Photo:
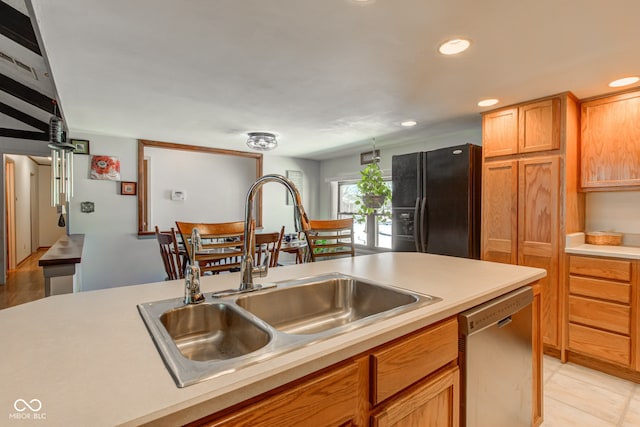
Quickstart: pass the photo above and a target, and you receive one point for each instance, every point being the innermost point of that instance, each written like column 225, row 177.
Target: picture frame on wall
column 82, row 146
column 128, row 188
column 296, row 178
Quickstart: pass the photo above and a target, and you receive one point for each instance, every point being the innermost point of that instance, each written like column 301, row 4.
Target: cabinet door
column 611, row 142
column 539, row 126
column 500, row 132
column 435, row 402
column 500, row 211
column 538, row 232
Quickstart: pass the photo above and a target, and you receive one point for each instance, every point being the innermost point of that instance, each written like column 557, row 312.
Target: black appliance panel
column 448, row 206
column 406, row 179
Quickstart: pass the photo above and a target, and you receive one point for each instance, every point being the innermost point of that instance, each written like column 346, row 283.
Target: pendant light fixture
column 61, row 161
column 262, row 141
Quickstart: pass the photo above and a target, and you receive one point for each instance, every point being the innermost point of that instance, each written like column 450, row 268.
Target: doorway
column 10, row 203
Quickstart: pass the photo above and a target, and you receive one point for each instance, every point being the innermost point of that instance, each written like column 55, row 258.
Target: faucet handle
column 263, row 269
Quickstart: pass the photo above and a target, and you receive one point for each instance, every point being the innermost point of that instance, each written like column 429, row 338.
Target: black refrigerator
column 436, row 201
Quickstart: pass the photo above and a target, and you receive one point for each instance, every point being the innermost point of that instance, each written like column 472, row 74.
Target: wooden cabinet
column 521, row 224
column 611, row 142
column 538, row 233
column 500, row 212
column 411, row 381
column 530, row 197
column 500, row 132
column 530, row 127
column 395, row 367
column 434, row 402
column 600, row 311
column 329, row 399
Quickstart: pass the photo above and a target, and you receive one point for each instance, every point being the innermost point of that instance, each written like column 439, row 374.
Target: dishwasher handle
column 496, row 311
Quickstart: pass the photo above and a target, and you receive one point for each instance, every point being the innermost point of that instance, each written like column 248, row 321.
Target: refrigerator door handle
column 424, row 226
column 416, row 225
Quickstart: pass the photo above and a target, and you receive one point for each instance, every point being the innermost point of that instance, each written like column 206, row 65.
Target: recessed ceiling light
column 487, row 102
column 624, row 81
column 454, row 46
column 362, row 2
column 409, row 123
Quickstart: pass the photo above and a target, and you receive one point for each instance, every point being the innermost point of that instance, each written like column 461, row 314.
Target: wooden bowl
column 603, row 238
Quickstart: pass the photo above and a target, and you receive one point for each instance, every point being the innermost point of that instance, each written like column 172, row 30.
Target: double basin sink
column 221, row 335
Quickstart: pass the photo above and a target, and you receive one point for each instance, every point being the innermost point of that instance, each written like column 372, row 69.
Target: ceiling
column 326, row 75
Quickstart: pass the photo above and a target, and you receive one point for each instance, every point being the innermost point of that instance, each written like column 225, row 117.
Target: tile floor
column 578, row 396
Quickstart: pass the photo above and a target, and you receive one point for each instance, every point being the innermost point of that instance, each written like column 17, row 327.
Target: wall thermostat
column 178, row 195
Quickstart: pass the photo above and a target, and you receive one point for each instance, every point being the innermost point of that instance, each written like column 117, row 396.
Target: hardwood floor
column 25, row 283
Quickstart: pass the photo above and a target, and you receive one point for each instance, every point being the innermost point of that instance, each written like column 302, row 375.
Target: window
column 371, row 232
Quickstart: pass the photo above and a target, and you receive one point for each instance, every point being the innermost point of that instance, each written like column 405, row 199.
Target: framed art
column 82, row 146
column 369, row 157
column 296, row 178
column 105, row 167
column 128, row 188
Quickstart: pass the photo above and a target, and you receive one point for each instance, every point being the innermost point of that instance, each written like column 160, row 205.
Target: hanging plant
column 374, row 192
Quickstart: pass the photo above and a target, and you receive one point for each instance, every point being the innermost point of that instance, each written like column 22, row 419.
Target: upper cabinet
column 611, row 143
column 500, row 132
column 528, row 128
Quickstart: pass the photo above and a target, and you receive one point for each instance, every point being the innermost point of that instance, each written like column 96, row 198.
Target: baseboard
column 606, row 367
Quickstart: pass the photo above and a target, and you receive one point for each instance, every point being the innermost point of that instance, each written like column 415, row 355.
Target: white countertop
column 576, row 245
column 89, row 359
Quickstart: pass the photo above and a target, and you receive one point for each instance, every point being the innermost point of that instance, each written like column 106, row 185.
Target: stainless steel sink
column 322, row 304
column 213, row 332
column 221, row 335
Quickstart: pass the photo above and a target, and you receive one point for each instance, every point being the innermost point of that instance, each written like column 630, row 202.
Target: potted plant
column 374, row 192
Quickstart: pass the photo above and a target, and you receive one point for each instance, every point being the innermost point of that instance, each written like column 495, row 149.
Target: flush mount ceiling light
column 262, row 141
column 408, row 123
column 487, row 102
column 454, row 46
column 626, row 81
column 362, row 2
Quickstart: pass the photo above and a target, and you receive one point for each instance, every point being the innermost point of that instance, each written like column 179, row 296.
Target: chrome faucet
column 247, row 270
column 192, row 294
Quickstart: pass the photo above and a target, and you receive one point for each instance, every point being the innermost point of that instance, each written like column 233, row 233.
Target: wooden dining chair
column 330, row 238
column 221, row 244
column 170, row 253
column 268, row 243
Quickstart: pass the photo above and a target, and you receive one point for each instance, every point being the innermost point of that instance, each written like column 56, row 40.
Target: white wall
column 48, row 230
column 113, row 253
column 613, row 211
column 276, row 212
column 348, row 167
column 214, row 184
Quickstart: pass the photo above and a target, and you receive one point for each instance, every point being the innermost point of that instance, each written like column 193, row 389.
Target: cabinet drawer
column 330, row 399
column 600, row 267
column 600, row 314
column 397, row 366
column 600, row 344
column 598, row 288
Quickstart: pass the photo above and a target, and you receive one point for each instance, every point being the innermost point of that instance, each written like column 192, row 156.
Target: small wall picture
column 105, row 168
column 128, row 188
column 82, row 146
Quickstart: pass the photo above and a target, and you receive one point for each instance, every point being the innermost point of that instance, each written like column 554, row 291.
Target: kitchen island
column 88, row 359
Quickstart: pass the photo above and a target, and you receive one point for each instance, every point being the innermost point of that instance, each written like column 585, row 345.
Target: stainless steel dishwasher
column 496, row 361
